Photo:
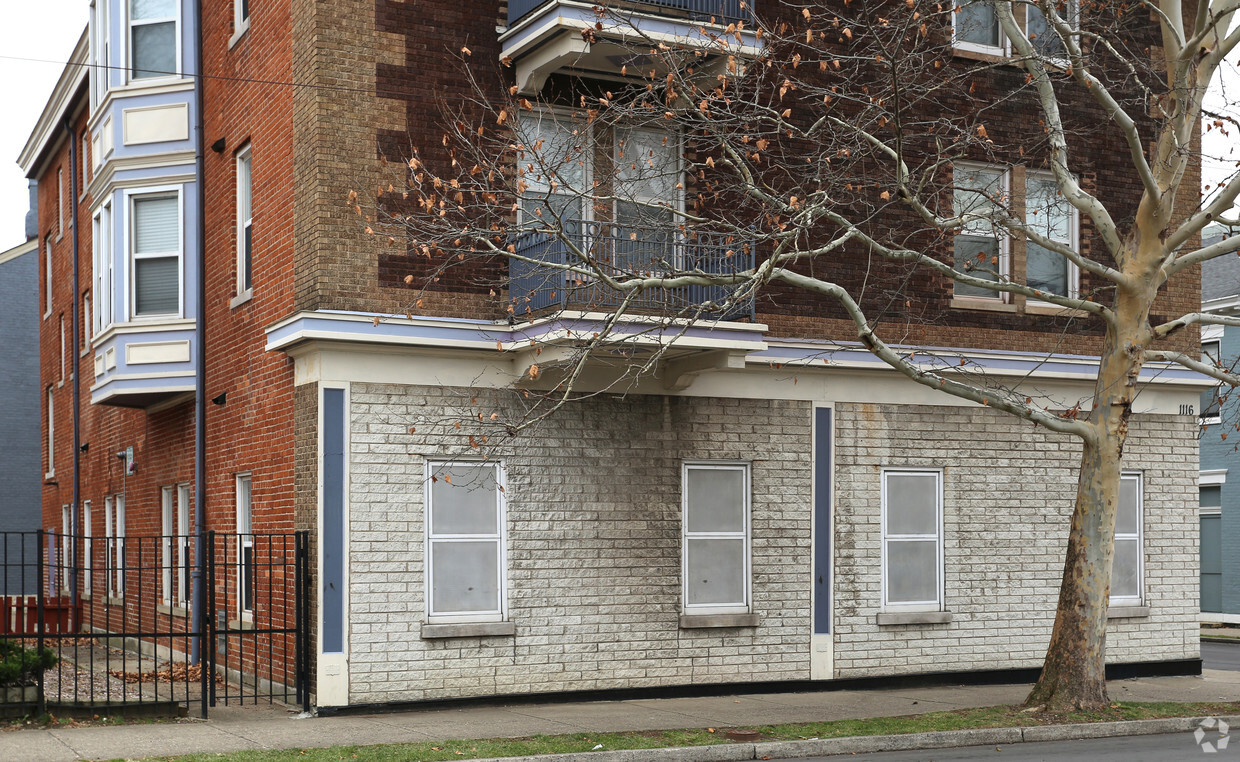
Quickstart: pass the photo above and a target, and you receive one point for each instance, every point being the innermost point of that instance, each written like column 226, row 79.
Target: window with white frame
column 114, row 545
column 241, row 16
column 84, row 160
column 102, row 268
column 153, row 42
column 51, row 434
column 245, row 220
column 1049, row 214
column 1212, row 354
column 88, row 548
column 174, row 502
column 64, row 348
column 976, row 28
column 100, row 51
column 47, row 276
column 558, row 180
column 979, row 248
column 155, row 254
column 66, row 547
column 912, row 527
column 60, row 203
column 245, row 544
column 465, row 554
column 86, row 324
column 716, row 538
column 1128, row 567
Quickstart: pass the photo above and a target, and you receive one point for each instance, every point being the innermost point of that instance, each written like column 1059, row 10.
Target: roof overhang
column 63, row 103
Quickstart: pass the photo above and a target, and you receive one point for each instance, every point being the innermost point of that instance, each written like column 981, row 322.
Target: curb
column 825, row 747
column 1219, row 639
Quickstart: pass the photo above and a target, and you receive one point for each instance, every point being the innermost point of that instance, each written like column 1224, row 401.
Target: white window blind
column 156, row 254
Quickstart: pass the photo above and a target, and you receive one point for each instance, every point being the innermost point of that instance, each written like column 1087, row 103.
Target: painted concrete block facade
column 594, row 556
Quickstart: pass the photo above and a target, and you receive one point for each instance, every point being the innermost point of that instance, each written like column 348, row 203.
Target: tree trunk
column 1074, row 673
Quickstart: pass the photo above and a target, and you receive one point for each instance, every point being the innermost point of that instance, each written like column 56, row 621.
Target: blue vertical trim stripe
column 333, row 520
column 822, row 520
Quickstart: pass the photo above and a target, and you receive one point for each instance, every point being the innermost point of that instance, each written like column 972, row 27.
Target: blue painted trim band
column 333, row 520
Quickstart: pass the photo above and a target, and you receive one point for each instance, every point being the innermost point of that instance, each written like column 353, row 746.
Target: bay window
column 102, row 256
column 153, row 42
column 155, row 253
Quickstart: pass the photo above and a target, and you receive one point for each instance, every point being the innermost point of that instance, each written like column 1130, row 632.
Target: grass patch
column 960, row 719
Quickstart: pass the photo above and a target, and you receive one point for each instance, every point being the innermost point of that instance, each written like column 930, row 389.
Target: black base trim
column 1124, row 671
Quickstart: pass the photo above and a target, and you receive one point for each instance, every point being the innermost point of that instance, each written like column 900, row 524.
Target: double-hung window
column 980, row 249
column 976, row 28
column 245, row 221
column 912, row 527
column 114, row 539
column 1211, row 354
column 647, row 164
column 47, row 276
column 716, row 538
column 51, row 434
column 245, row 545
column 1128, row 567
column 100, row 51
column 88, row 548
column 1050, row 215
column 175, row 528
column 465, row 555
column 66, row 546
column 153, row 42
column 554, row 169
column 102, row 250
column 155, row 249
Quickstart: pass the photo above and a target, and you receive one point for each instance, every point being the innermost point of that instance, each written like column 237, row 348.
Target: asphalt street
column 1174, row 747
column 1221, row 656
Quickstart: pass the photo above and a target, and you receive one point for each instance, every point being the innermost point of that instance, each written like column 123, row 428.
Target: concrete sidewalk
column 265, row 727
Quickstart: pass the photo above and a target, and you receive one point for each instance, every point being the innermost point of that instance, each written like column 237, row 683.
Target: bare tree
column 851, row 150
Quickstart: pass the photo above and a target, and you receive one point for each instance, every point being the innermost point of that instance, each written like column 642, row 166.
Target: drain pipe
column 76, row 367
column 200, row 354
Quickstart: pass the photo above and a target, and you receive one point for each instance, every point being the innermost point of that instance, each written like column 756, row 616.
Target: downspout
column 76, row 359
column 200, row 354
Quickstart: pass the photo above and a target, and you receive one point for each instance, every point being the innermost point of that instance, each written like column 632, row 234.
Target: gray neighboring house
column 20, row 404
column 1220, row 495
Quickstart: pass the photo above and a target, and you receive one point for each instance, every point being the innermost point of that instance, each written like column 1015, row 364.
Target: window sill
column 1128, row 612
column 997, row 55
column 241, row 624
column 913, row 617
column 1046, row 308
column 705, row 621
column 177, row 611
column 242, row 28
column 114, row 600
column 473, row 630
column 977, row 303
column 240, row 299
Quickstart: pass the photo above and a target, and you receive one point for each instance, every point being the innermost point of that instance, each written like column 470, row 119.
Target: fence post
column 208, row 616
column 302, row 574
column 39, row 593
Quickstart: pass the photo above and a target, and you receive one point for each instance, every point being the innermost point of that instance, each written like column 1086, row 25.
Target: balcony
column 546, row 36
column 628, row 249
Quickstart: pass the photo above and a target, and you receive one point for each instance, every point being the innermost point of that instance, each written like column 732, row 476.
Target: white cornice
column 47, row 129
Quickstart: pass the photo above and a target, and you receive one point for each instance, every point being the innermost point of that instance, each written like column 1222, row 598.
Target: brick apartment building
column 566, row 564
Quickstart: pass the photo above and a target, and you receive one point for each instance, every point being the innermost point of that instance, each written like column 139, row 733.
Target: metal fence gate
column 117, row 612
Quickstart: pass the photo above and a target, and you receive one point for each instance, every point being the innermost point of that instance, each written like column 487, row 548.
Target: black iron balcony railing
column 628, row 250
column 722, row 11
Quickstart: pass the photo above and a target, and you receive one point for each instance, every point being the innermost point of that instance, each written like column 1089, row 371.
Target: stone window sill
column 1046, row 308
column 240, row 299
column 704, row 621
column 978, row 303
column 1128, row 612
column 913, row 617
column 179, row 611
column 468, row 630
column 242, row 28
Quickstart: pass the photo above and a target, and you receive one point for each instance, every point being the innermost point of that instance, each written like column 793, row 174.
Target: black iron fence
column 718, row 11
column 538, row 279
column 117, row 613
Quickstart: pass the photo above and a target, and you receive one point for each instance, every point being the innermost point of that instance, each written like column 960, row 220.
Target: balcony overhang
column 573, row 37
column 143, row 365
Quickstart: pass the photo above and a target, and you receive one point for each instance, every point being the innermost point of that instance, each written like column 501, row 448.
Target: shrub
column 21, row 666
